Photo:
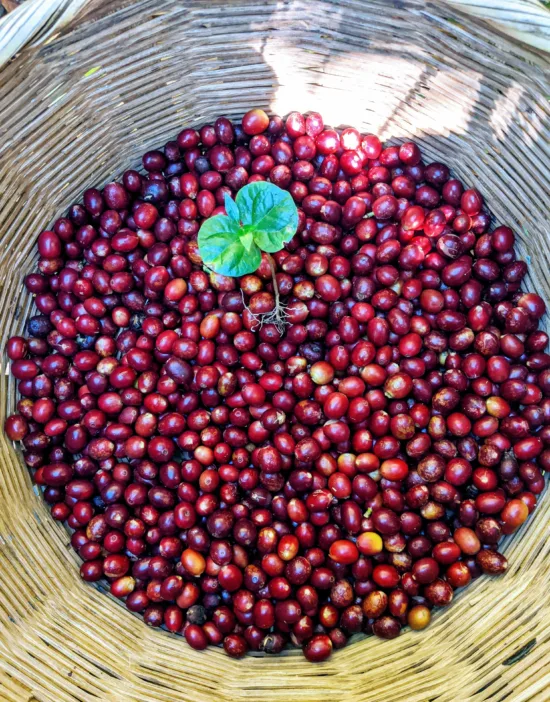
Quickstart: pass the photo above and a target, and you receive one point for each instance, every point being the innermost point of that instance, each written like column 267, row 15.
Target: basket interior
column 126, row 78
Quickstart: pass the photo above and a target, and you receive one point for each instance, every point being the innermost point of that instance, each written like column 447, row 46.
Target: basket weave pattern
column 125, row 78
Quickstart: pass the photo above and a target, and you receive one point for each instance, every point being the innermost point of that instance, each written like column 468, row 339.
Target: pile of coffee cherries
column 254, row 488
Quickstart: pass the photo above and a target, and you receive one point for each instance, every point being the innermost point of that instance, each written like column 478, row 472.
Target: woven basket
column 80, row 105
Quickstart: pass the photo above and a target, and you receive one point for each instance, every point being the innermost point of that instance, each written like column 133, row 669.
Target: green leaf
column 262, row 218
column 223, row 250
column 269, row 213
column 247, row 240
column 231, row 208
